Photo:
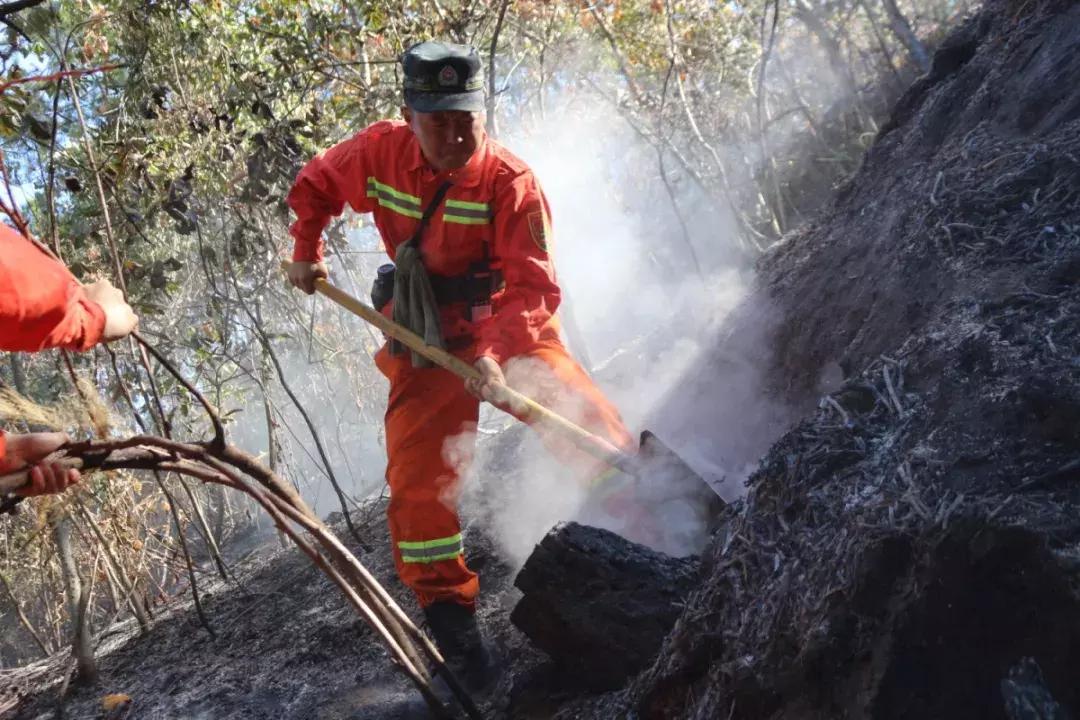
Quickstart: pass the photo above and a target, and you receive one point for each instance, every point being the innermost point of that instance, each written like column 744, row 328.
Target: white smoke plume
column 649, row 335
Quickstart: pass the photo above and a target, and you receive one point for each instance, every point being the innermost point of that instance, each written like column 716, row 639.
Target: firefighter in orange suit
column 485, row 246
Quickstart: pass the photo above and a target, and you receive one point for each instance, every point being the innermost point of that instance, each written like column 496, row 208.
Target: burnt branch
column 227, row 465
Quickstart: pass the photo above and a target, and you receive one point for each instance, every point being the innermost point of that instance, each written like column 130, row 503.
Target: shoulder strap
column 429, row 211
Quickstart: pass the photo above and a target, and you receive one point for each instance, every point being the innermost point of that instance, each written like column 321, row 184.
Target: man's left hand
column 120, row 319
column 491, row 382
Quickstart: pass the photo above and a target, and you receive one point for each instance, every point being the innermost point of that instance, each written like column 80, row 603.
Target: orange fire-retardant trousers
column 429, row 406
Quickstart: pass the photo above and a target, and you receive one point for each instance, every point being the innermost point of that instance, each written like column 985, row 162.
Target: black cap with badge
column 443, row 76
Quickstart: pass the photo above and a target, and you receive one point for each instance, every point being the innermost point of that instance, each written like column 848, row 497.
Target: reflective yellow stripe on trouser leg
column 429, row 551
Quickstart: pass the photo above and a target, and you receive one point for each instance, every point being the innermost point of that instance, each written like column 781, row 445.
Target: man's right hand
column 120, row 319
column 26, row 452
column 304, row 274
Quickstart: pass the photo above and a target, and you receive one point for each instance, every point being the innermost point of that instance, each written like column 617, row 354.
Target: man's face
column 448, row 138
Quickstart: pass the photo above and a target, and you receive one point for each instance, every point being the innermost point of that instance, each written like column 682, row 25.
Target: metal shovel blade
column 661, row 466
column 661, row 502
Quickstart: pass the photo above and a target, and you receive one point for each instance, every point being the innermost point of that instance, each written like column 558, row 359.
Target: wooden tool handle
column 522, row 407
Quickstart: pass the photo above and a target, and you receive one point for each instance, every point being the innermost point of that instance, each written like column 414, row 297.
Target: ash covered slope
column 905, row 548
column 288, row 646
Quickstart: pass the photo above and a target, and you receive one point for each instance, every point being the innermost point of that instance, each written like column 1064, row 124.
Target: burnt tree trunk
column 598, row 604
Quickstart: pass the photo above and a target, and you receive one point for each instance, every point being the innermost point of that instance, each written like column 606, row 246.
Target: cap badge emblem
column 448, row 76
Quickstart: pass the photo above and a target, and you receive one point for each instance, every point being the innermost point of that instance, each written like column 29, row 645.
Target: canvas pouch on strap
column 415, row 305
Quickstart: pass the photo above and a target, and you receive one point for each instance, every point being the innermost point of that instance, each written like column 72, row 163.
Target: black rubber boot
column 458, row 637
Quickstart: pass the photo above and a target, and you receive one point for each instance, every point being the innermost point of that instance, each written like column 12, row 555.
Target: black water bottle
column 382, row 290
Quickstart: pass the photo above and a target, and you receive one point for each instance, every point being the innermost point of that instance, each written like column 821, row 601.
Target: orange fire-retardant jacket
column 42, row 305
column 495, row 200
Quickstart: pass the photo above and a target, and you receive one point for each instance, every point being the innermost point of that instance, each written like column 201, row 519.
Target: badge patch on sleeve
column 539, row 228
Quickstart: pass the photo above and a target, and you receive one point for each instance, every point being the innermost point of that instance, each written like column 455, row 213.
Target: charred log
column 598, row 604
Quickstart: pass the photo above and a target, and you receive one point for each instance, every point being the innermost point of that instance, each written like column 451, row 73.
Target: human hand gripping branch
column 28, row 451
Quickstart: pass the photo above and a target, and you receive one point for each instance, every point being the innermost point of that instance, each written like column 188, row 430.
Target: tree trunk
column 273, row 444
column 902, row 29
column 809, row 17
column 492, row 123
column 77, row 598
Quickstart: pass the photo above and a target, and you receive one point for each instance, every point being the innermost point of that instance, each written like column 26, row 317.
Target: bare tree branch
column 13, row 7
column 620, row 57
column 59, row 76
column 492, row 125
column 219, row 430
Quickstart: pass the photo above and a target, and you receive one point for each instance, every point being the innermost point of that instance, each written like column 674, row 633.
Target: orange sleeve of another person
column 532, row 295
column 42, row 305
